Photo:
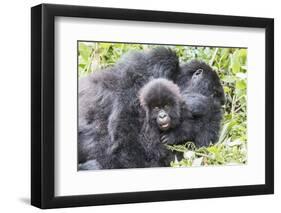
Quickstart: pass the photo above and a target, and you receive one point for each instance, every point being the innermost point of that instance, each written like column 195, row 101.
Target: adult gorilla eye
column 198, row 72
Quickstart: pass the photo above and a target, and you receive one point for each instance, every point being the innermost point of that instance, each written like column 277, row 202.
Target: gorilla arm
column 197, row 105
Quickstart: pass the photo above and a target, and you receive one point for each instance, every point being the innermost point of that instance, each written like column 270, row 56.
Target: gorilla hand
column 167, row 138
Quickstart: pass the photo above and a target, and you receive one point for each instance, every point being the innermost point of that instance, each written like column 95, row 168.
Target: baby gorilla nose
column 162, row 114
column 163, row 120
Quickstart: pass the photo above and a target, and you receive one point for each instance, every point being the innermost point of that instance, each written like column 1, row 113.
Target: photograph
column 160, row 105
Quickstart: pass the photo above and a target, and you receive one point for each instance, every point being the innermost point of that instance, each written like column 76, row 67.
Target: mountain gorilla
column 115, row 128
column 109, row 119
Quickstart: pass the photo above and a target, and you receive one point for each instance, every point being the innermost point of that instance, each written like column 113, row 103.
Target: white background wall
column 15, row 105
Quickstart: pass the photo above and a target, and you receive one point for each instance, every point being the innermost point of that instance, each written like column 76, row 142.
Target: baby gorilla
column 161, row 101
column 194, row 115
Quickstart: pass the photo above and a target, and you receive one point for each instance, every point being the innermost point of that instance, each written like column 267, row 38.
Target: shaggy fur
column 115, row 131
column 109, row 119
column 157, row 96
column 207, row 83
column 203, row 97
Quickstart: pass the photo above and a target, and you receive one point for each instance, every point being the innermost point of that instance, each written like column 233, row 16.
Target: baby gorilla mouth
column 163, row 120
column 164, row 126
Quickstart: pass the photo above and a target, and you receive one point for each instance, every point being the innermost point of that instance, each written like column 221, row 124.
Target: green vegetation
column 231, row 66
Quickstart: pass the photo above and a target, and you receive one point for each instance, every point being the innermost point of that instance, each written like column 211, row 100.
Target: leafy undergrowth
column 227, row 153
column 231, row 149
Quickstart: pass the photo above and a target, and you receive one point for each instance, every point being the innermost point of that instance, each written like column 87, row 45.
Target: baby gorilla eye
column 166, row 107
column 156, row 108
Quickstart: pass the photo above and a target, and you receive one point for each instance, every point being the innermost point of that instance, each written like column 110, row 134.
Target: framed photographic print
column 139, row 106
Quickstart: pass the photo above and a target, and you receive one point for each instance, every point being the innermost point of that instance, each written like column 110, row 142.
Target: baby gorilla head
column 161, row 101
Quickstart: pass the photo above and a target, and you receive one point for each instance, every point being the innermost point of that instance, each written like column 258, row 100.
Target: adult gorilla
column 109, row 108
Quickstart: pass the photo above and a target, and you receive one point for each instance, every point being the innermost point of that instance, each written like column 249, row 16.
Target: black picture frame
column 43, row 117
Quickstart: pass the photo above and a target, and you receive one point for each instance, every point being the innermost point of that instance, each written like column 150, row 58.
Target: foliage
column 231, row 66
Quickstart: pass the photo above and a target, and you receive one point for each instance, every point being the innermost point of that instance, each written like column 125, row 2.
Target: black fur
column 159, row 95
column 160, row 98
column 109, row 119
column 116, row 132
column 208, row 84
column 203, row 97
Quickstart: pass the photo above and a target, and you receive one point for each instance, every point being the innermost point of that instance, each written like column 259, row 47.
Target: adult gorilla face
column 198, row 77
column 161, row 100
column 207, row 82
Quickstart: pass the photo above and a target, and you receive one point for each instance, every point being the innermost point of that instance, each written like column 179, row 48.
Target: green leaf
column 85, row 51
column 241, row 85
column 229, row 79
column 226, row 89
column 243, row 56
column 241, row 75
column 235, row 62
column 234, row 143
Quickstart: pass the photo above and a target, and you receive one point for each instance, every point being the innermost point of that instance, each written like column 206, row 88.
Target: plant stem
column 213, row 57
column 202, row 155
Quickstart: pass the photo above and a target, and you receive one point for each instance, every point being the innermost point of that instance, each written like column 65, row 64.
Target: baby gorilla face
column 163, row 120
column 162, row 117
column 161, row 100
